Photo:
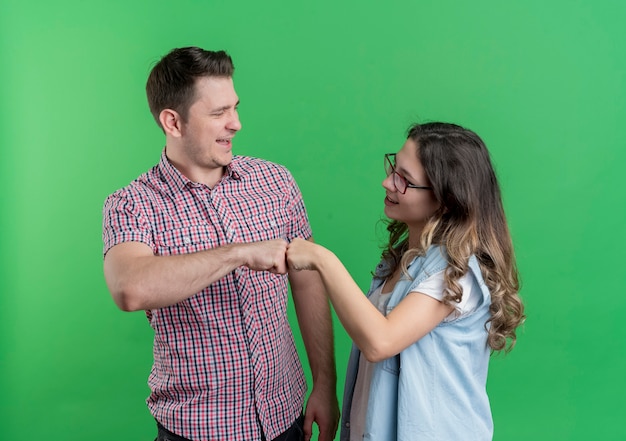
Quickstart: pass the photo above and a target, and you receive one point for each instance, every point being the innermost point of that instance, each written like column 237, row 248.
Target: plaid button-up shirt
column 225, row 363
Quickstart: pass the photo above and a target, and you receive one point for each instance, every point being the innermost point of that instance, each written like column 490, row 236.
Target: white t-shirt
column 432, row 287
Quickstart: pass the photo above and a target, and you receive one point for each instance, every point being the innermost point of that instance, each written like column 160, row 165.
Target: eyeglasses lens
column 398, row 181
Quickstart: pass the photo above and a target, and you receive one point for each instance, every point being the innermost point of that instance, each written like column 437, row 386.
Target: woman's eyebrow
column 404, row 172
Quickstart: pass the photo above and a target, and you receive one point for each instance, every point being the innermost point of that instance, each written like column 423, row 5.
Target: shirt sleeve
column 299, row 221
column 122, row 221
column 433, row 287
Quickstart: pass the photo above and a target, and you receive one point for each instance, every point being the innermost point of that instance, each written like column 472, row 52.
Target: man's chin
column 226, row 158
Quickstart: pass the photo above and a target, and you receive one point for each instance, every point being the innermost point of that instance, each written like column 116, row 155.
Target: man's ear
column 171, row 122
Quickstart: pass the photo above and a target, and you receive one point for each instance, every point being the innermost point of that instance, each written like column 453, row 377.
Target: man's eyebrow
column 221, row 109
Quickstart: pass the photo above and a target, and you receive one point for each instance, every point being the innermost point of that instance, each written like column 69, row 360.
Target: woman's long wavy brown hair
column 470, row 221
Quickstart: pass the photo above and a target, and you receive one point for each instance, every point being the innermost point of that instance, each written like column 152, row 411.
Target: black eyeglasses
column 399, row 181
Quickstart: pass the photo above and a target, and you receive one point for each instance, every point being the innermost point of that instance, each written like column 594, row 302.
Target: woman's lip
column 389, row 201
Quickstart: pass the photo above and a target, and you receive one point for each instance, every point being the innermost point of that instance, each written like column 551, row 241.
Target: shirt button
column 186, row 240
column 348, row 425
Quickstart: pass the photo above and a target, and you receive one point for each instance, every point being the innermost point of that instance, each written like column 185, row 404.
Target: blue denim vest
column 436, row 388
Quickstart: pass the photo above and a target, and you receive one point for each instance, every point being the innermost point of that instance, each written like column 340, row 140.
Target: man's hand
column 322, row 408
column 268, row 255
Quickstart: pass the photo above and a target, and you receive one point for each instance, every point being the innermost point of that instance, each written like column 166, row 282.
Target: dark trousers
column 294, row 433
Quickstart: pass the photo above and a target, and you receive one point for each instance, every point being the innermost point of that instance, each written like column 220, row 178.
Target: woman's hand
column 303, row 255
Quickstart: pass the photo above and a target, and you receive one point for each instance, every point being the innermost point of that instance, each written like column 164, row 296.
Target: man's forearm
column 314, row 317
column 144, row 281
column 139, row 280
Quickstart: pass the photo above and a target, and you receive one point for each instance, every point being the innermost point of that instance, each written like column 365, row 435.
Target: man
column 199, row 242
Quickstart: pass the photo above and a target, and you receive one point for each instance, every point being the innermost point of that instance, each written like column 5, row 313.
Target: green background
column 326, row 88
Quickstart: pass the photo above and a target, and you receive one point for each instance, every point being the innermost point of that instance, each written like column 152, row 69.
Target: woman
column 444, row 296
